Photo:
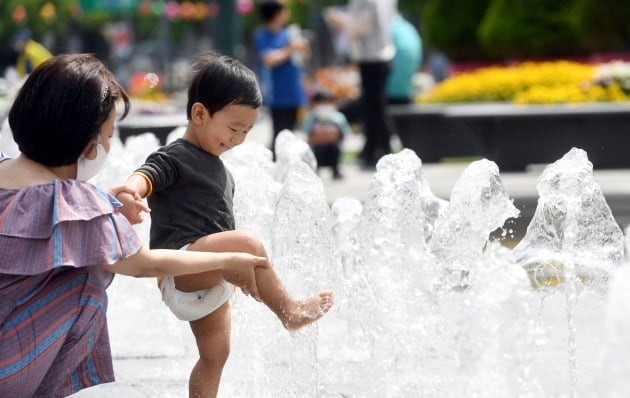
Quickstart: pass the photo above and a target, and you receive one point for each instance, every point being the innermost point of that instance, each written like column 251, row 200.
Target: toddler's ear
column 198, row 112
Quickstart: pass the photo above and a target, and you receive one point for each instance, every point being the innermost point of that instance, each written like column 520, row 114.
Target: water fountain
column 427, row 304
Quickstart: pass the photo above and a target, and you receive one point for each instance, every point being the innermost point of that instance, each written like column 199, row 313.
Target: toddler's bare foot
column 304, row 312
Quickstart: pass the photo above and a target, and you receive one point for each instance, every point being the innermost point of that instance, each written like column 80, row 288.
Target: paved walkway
column 153, row 352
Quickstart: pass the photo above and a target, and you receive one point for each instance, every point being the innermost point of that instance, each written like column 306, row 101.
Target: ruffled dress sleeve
column 66, row 223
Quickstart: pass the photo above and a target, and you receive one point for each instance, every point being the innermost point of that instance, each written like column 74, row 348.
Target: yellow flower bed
column 571, row 93
column 526, row 83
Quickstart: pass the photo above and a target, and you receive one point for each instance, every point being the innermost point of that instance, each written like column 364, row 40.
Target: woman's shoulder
column 62, row 223
column 33, row 211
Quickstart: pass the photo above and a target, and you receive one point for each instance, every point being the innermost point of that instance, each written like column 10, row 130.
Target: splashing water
column 478, row 205
column 427, row 305
column 573, row 226
column 572, row 236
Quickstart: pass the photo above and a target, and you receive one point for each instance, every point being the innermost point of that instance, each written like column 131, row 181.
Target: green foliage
column 452, row 27
column 146, row 25
column 530, row 28
column 604, row 25
column 33, row 20
column 481, row 29
column 94, row 19
column 412, row 10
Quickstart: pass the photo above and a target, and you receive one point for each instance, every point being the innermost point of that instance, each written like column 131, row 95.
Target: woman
column 62, row 239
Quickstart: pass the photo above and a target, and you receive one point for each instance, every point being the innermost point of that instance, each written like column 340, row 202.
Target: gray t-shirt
column 192, row 195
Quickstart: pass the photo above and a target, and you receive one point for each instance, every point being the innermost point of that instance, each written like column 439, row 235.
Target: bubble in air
column 151, row 80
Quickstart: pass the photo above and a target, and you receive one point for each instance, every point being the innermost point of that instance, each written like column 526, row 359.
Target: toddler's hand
column 133, row 206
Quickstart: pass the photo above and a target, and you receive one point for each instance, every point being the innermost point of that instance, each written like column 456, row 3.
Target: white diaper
column 190, row 306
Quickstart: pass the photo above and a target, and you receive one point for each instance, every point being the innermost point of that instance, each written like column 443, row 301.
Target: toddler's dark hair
column 219, row 81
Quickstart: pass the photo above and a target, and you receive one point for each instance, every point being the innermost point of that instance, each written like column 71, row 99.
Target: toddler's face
column 227, row 128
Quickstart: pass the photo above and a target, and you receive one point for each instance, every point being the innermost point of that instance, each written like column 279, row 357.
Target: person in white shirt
column 368, row 26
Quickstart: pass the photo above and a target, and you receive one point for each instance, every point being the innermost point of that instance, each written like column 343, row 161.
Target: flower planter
column 514, row 136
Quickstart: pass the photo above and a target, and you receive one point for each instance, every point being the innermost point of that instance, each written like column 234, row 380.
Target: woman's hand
column 240, row 271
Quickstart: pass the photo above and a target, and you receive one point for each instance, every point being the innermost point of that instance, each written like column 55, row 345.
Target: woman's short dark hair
column 268, row 9
column 62, row 106
column 219, row 81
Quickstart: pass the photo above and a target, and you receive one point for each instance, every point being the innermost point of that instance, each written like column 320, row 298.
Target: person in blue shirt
column 406, row 62
column 281, row 75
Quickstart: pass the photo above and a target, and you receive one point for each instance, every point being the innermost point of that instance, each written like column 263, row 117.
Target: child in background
column 190, row 194
column 326, row 128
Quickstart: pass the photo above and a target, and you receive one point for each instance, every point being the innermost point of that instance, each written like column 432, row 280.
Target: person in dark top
column 190, row 195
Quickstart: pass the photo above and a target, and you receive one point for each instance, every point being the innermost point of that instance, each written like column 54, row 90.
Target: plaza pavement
column 154, row 352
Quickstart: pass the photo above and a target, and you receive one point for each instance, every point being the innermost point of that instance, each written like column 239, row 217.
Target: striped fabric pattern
column 64, row 223
column 53, row 328
column 55, row 342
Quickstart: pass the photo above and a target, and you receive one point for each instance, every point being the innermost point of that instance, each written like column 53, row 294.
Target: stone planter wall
column 514, row 136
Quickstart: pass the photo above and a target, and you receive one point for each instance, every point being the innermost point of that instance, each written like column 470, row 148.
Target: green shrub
column 604, row 25
column 452, row 27
column 531, row 28
column 412, row 10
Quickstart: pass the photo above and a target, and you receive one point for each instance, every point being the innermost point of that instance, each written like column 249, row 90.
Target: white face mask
column 87, row 168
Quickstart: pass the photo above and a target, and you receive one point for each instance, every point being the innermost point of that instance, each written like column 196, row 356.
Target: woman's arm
column 237, row 268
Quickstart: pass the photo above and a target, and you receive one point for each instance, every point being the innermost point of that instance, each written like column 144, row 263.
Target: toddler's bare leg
column 212, row 333
column 292, row 313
